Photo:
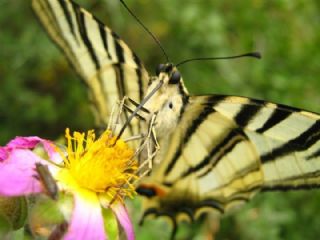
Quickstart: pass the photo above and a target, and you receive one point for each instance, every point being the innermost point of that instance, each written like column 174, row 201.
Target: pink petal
column 124, row 219
column 17, row 174
column 24, row 142
column 87, row 220
column 3, row 153
column 30, row 143
column 52, row 152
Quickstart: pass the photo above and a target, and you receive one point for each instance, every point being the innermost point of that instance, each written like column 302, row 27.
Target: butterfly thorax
column 169, row 100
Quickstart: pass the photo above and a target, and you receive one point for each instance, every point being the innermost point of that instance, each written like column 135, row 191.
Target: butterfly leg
column 135, row 104
column 113, row 123
column 136, row 114
column 133, row 138
column 152, row 146
column 110, row 122
column 144, row 144
column 148, row 148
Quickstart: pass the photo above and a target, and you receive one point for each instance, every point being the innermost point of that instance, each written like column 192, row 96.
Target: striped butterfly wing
column 105, row 63
column 226, row 149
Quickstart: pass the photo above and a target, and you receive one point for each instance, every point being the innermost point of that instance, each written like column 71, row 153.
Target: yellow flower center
column 103, row 165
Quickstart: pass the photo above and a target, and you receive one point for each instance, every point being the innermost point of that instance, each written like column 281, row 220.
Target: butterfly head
column 169, row 73
column 169, row 100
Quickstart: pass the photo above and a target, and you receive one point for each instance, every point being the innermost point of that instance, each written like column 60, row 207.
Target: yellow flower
column 103, row 166
column 96, row 172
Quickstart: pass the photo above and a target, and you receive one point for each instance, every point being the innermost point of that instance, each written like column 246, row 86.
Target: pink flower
column 97, row 173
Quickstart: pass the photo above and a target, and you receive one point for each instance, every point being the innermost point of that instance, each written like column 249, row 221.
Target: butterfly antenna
column 146, row 29
column 251, row 54
column 139, row 107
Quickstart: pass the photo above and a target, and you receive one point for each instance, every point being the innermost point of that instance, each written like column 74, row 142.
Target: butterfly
column 217, row 151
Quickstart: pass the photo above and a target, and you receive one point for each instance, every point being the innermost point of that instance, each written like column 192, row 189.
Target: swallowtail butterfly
column 217, row 151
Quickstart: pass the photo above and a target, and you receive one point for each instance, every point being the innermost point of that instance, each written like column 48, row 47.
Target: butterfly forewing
column 105, row 63
column 286, row 139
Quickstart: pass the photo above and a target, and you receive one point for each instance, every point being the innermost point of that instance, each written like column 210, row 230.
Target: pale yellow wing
column 105, row 63
column 226, row 149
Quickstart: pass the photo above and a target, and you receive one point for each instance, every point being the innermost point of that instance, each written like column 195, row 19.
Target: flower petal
column 3, row 153
column 17, row 174
column 24, row 142
column 124, row 219
column 87, row 220
column 29, row 143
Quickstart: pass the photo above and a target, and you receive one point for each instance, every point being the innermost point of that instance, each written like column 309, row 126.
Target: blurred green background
column 41, row 95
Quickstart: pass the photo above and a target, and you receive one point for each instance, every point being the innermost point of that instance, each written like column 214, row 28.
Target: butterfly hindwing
column 105, row 63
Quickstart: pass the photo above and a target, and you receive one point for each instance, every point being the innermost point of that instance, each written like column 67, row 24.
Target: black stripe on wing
column 121, row 87
column 315, row 154
column 240, row 175
column 119, row 49
column 228, row 143
column 300, row 143
column 246, row 114
column 208, row 108
column 220, row 98
column 185, row 100
column 68, row 16
column 104, row 37
column 276, row 117
column 80, row 17
column 189, row 132
column 139, row 75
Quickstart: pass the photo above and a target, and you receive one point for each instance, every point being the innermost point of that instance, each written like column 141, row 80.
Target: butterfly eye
column 160, row 68
column 175, row 78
